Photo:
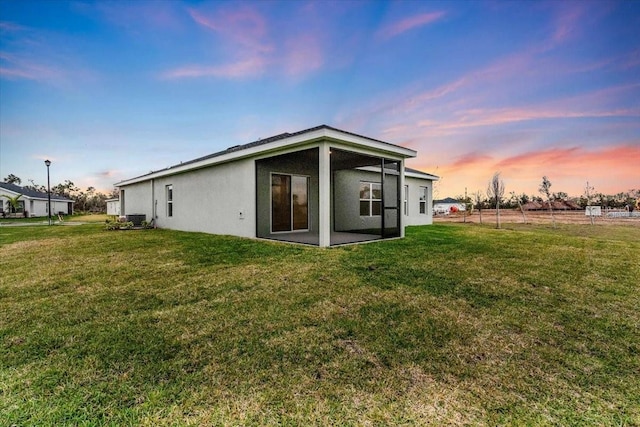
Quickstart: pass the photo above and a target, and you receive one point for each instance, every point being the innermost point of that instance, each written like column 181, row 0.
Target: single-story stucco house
column 320, row 186
column 32, row 203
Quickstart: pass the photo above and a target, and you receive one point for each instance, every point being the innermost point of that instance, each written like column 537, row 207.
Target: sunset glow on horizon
column 112, row 90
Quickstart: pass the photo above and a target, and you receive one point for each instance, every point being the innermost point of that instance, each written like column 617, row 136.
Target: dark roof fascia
column 25, row 192
column 254, row 144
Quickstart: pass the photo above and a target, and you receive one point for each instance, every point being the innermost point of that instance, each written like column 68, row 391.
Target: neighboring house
column 443, row 206
column 113, row 207
column 321, row 186
column 32, row 203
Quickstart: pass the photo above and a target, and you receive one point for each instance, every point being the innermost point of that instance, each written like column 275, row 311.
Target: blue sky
column 112, row 90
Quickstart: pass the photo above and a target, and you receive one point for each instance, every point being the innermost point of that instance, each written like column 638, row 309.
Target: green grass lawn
column 454, row 324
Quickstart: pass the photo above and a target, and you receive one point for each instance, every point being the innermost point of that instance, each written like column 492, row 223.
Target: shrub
column 111, row 225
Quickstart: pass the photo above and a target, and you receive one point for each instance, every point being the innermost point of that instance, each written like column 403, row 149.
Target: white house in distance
column 321, row 186
column 443, row 207
column 34, row 203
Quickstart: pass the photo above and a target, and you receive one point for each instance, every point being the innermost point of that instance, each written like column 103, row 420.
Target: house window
column 289, row 203
column 370, row 199
column 169, row 189
column 406, row 200
column 423, row 200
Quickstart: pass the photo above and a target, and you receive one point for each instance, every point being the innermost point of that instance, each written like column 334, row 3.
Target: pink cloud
column 570, row 20
column 244, row 34
column 244, row 68
column 410, row 23
column 567, row 22
column 470, row 160
column 495, row 117
column 250, row 48
column 245, row 27
column 303, row 55
column 622, row 158
column 609, row 169
column 542, row 158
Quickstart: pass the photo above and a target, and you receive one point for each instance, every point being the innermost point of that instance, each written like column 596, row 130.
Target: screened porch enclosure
column 364, row 197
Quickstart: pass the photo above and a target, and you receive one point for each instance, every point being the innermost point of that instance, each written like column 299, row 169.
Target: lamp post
column 48, row 163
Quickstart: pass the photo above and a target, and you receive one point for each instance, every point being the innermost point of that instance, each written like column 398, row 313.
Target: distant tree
column 561, row 195
column 517, row 200
column 588, row 194
column 495, row 192
column 545, row 188
column 67, row 189
column 12, row 179
column 468, row 206
column 634, row 195
column 477, row 198
column 35, row 187
column 114, row 194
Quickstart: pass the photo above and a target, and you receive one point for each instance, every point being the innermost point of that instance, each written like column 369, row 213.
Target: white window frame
column 406, row 200
column 422, row 204
column 370, row 199
column 169, row 196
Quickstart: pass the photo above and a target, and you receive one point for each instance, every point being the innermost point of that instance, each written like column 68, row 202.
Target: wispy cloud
column 608, row 167
column 243, row 26
column 503, row 116
column 470, row 160
column 243, row 68
column 109, row 173
column 302, row 55
column 567, row 21
column 252, row 49
column 6, row 26
column 16, row 67
column 575, row 161
column 136, row 16
column 396, row 28
column 31, row 54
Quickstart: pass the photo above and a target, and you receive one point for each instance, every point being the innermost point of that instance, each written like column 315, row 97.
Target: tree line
column 89, row 200
column 513, row 201
column 494, row 198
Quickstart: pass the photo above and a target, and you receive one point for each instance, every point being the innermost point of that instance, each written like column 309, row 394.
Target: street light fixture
column 48, row 163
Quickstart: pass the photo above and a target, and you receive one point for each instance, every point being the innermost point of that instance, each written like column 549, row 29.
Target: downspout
column 153, row 197
column 401, row 196
column 383, row 207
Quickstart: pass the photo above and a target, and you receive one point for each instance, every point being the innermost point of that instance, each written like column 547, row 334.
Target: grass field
column 455, row 324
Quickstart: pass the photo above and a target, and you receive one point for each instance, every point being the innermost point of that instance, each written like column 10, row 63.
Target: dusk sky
column 113, row 89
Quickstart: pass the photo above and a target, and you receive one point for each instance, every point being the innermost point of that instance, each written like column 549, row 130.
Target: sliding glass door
column 289, row 203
